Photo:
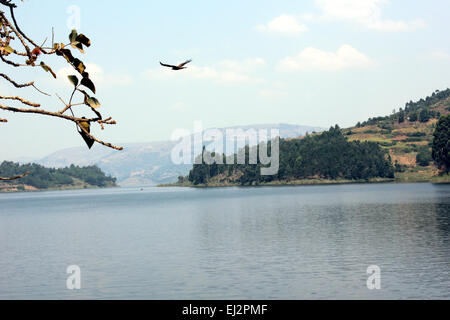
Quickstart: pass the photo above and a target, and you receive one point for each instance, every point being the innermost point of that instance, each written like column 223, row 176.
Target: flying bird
column 181, row 66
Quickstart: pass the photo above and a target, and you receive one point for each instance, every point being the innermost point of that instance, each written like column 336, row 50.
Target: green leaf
column 79, row 65
column 66, row 54
column 8, row 49
column 93, row 103
column 81, row 38
column 77, row 45
column 74, row 80
column 47, row 68
column 88, row 84
column 44, row 66
column 73, row 35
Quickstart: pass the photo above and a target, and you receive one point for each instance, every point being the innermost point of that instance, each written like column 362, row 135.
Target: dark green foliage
column 401, row 117
column 441, row 144
column 181, row 180
column 421, row 110
column 424, row 115
column 399, row 167
column 424, row 158
column 428, row 101
column 413, row 117
column 413, row 139
column 374, row 121
column 416, row 134
column 45, row 178
column 328, row 155
column 386, row 125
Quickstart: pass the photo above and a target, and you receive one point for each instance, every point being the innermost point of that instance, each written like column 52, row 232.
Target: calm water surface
column 312, row 242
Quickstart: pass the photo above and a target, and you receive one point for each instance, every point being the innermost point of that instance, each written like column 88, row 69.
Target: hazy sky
column 309, row 62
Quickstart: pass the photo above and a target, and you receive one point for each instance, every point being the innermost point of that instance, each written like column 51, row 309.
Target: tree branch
column 8, row 3
column 31, row 104
column 16, row 84
column 11, row 35
column 66, row 117
column 106, row 144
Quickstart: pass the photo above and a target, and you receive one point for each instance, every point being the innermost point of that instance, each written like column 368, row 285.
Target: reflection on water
column 311, row 242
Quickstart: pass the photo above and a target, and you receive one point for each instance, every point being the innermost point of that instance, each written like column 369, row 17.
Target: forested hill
column 42, row 178
column 394, row 146
column 328, row 155
column 422, row 111
column 407, row 134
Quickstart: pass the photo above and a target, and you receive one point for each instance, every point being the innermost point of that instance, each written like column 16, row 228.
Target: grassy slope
column 401, row 149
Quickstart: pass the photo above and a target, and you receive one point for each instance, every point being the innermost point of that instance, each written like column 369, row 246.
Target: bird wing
column 166, row 65
column 184, row 63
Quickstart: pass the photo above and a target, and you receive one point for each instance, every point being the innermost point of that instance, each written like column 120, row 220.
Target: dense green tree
column 328, row 155
column 44, row 178
column 401, row 117
column 413, row 110
column 424, row 157
column 413, row 117
column 441, row 144
column 424, row 115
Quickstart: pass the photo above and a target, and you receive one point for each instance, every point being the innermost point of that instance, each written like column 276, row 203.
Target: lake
column 308, row 242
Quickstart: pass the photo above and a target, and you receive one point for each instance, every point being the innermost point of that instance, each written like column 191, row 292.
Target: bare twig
column 99, row 141
column 40, row 91
column 17, row 30
column 16, row 84
column 31, row 104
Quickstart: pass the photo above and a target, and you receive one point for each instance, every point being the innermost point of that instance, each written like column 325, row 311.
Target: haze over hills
column 148, row 163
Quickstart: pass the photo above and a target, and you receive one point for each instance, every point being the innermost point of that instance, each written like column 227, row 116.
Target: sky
column 309, row 62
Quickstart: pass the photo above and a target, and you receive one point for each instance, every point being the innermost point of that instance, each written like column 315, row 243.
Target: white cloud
column 366, row 13
column 439, row 55
column 178, row 106
column 98, row 76
column 246, row 65
column 284, row 25
column 272, row 93
column 312, row 59
column 227, row 71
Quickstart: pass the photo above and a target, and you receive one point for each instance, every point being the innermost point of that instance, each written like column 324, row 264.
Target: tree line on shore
column 41, row 177
column 328, row 155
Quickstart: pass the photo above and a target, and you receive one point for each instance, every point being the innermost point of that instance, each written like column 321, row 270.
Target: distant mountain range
column 142, row 164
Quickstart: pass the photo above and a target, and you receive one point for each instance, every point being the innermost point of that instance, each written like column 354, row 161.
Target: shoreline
column 308, row 182
column 294, row 183
column 58, row 189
